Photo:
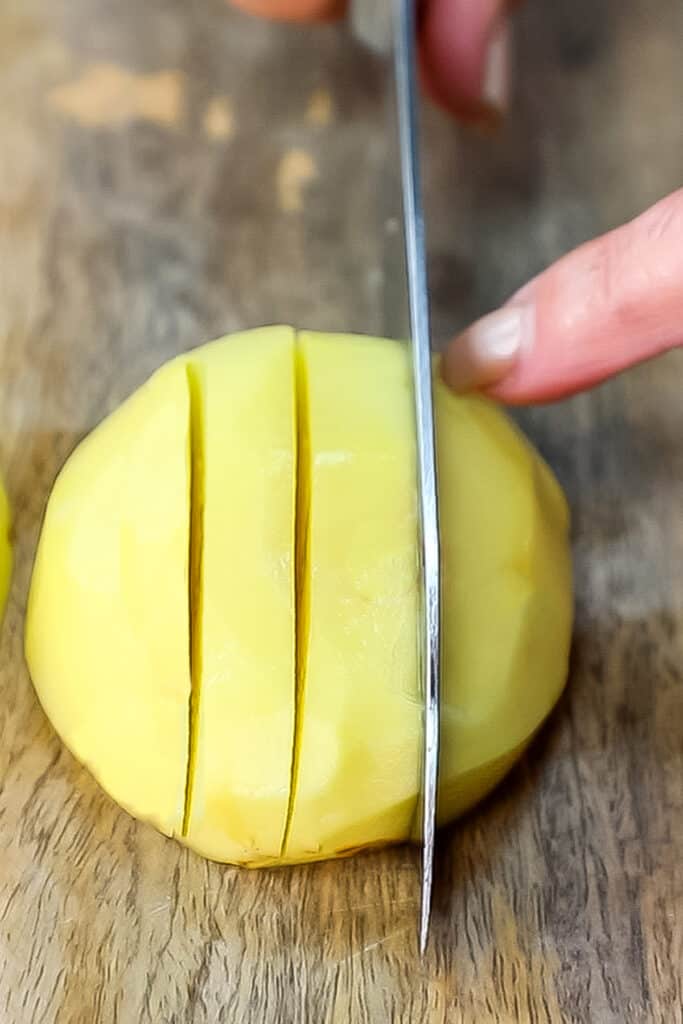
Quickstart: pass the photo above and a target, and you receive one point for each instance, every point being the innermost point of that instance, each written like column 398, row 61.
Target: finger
column 608, row 305
column 293, row 10
column 465, row 50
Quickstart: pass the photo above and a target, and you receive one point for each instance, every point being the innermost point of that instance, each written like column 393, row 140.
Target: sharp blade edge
column 406, row 91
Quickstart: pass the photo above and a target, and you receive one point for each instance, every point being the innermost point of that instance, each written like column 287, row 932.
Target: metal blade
column 405, row 61
column 406, row 312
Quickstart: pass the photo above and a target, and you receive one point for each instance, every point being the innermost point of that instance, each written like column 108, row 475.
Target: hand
column 612, row 303
column 464, row 48
column 608, row 305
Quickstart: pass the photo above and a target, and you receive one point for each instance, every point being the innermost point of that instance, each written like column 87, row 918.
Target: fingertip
column 489, row 351
column 610, row 304
column 465, row 57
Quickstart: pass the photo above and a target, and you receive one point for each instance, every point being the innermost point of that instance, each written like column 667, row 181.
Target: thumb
column 608, row 305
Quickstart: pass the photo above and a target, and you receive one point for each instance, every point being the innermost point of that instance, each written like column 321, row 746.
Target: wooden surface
column 170, row 171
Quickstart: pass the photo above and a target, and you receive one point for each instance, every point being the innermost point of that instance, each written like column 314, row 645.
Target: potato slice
column 243, row 718
column 506, row 595
column 107, row 632
column 359, row 713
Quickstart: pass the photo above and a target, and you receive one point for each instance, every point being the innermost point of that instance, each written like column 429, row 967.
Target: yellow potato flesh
column 5, row 549
column 360, row 733
column 506, row 596
column 306, row 717
column 107, row 637
column 244, row 675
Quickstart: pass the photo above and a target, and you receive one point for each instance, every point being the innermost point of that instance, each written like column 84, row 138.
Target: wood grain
column 141, row 150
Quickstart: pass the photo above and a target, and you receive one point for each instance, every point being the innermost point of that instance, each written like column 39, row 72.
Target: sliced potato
column 244, row 673
column 360, row 723
column 107, row 637
column 295, row 574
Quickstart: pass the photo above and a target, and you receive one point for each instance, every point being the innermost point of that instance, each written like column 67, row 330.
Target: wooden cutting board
column 170, row 171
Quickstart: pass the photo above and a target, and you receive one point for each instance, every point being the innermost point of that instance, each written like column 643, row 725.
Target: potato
column 223, row 615
column 5, row 550
column 107, row 637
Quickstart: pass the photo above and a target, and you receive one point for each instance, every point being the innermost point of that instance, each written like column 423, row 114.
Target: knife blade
column 370, row 23
column 405, row 61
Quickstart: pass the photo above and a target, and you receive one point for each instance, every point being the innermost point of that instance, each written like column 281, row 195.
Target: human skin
column 612, row 303
column 464, row 47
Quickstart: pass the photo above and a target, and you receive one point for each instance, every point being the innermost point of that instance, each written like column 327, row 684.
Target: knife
column 372, row 23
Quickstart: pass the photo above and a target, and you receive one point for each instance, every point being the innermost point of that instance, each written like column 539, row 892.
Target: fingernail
column 497, row 70
column 488, row 350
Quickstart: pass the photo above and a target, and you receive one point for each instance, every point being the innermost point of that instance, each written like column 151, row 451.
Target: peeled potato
column 223, row 616
column 244, row 622
column 107, row 636
column 5, row 549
